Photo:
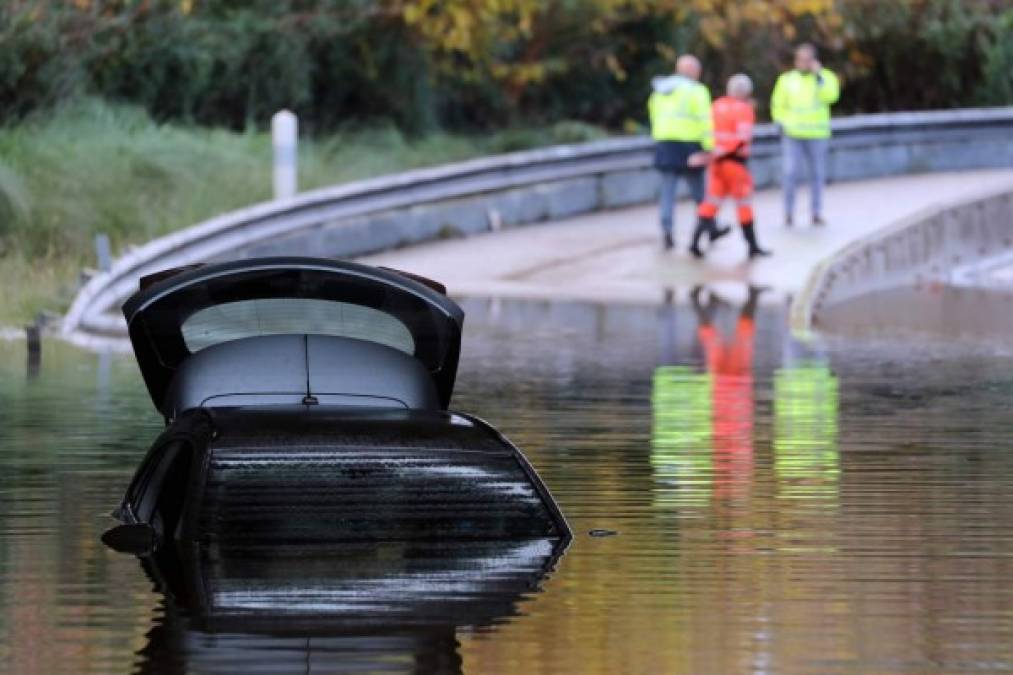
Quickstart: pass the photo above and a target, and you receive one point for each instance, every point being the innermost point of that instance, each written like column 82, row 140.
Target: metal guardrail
column 860, row 141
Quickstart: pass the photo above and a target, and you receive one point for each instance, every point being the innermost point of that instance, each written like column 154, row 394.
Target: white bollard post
column 284, row 135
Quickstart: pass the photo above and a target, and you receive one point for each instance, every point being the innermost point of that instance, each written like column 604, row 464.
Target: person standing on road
column 680, row 114
column 800, row 105
column 728, row 175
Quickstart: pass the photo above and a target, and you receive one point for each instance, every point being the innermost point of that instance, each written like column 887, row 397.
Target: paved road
column 616, row 255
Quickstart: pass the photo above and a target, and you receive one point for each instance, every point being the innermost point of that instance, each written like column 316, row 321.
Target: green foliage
column 91, row 167
column 996, row 87
column 13, row 200
column 224, row 63
column 467, row 64
column 919, row 53
column 194, row 83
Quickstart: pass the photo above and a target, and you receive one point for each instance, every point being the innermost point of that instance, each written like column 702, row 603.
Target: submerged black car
column 387, row 607
column 306, row 402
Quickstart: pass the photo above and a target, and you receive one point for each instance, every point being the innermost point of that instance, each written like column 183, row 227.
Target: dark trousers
column 669, row 185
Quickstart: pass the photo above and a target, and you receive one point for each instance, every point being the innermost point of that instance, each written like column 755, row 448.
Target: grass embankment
column 93, row 167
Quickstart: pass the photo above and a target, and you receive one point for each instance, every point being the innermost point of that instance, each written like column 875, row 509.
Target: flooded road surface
column 774, row 506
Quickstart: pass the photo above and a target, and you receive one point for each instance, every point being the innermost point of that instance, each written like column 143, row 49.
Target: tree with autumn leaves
column 895, row 54
column 474, row 64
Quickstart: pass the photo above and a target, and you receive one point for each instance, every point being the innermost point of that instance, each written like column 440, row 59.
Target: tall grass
column 94, row 167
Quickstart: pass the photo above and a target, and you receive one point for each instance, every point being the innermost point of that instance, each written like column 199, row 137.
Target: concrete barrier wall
column 519, row 189
column 856, row 153
column 930, row 246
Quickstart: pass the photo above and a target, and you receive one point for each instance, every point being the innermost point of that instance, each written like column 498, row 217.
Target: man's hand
column 698, row 159
column 816, row 66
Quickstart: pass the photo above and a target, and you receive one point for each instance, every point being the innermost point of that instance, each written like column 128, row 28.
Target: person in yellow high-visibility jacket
column 680, row 113
column 800, row 105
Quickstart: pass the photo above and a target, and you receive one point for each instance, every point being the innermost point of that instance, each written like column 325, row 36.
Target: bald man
column 680, row 113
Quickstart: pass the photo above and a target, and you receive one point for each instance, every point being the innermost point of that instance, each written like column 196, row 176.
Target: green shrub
column 918, row 54
column 14, row 205
column 996, row 87
column 574, row 131
column 334, row 62
column 89, row 167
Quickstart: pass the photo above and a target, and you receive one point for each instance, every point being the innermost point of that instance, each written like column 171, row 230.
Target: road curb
column 923, row 247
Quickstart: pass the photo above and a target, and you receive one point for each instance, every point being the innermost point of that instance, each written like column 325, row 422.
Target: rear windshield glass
column 287, row 316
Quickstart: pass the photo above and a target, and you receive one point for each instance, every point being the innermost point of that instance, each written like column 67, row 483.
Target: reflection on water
column 349, row 608
column 806, row 459
column 781, row 507
column 702, row 443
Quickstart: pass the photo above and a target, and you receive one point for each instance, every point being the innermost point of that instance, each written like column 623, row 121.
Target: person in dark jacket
column 680, row 114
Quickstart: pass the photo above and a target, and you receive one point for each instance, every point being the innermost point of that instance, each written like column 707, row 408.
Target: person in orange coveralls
column 728, row 176
column 730, row 364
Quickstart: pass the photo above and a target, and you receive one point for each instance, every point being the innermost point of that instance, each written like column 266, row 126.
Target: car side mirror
column 134, row 538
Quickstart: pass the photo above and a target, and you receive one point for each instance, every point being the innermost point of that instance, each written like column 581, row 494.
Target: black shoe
column 789, row 222
column 668, row 243
column 757, row 252
column 718, row 232
column 818, row 221
column 695, row 251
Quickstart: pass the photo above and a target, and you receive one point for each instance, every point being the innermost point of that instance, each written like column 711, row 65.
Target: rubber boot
column 704, row 225
column 704, row 313
column 717, row 231
column 754, row 248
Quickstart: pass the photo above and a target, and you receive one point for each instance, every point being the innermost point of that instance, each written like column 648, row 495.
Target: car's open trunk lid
column 180, row 315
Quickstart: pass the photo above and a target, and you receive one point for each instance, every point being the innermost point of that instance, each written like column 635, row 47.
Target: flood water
column 833, row 506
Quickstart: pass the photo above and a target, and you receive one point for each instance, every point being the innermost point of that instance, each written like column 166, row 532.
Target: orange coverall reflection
column 730, row 365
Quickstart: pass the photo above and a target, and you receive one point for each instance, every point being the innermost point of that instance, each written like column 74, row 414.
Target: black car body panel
column 306, row 403
column 307, row 474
